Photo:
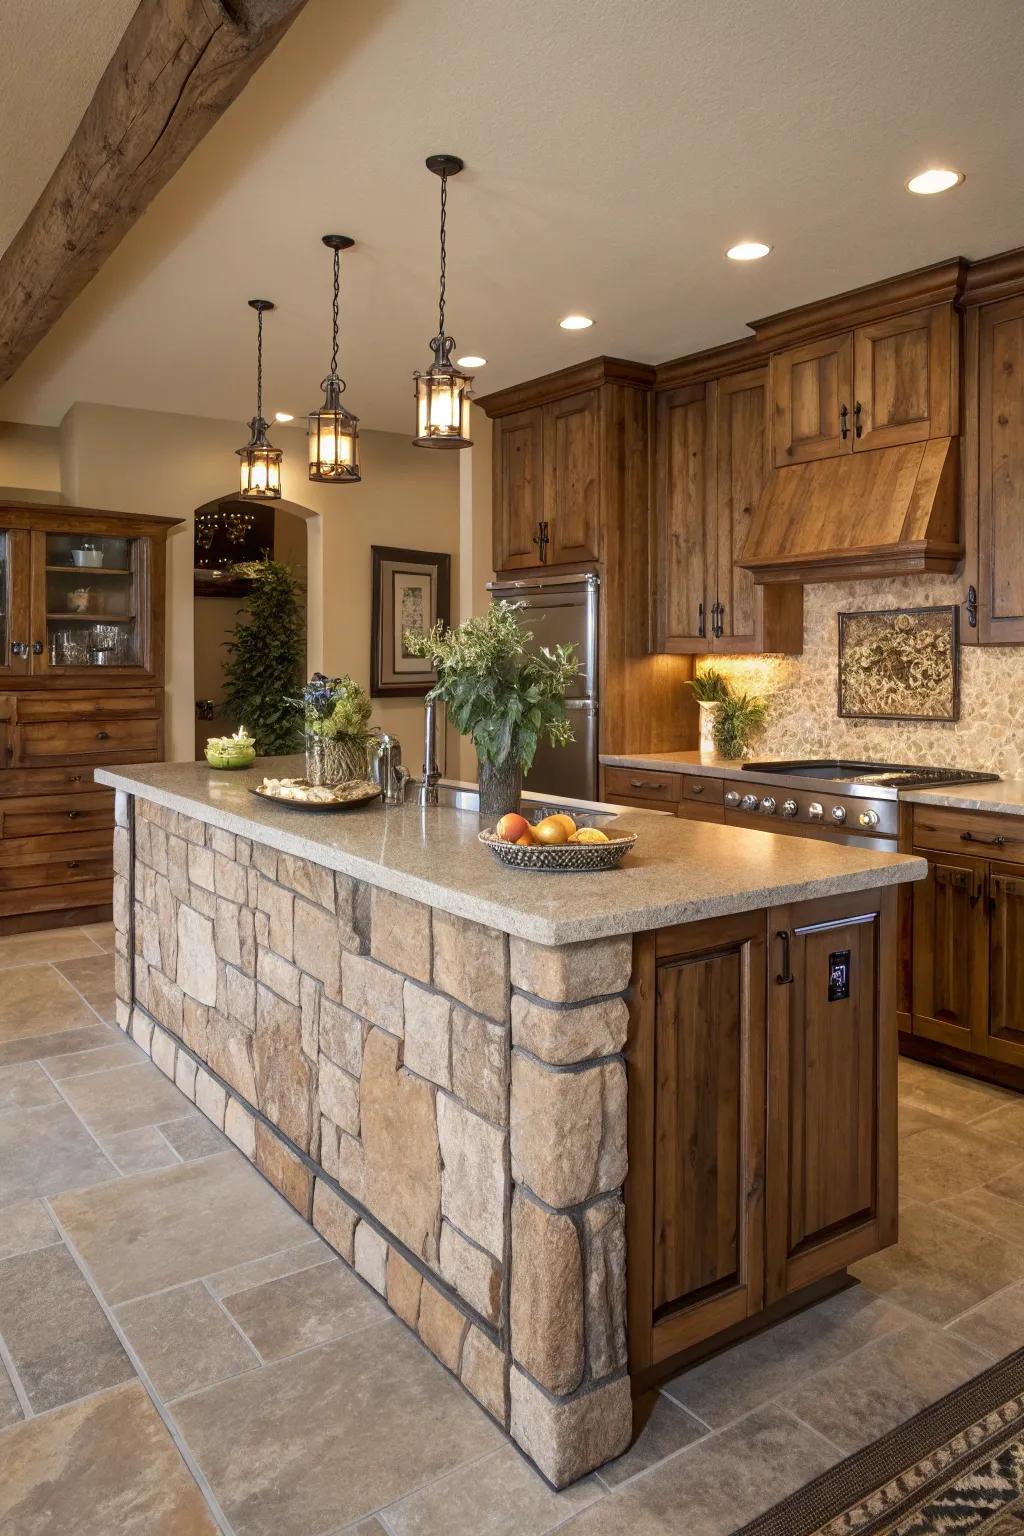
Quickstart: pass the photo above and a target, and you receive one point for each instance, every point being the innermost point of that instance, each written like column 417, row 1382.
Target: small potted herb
column 505, row 697
column 336, row 719
column 237, row 751
column 739, row 717
column 710, row 690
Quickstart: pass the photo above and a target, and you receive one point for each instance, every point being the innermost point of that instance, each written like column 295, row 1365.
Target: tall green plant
column 267, row 653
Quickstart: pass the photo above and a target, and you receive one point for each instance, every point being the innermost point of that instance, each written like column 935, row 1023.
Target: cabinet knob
column 72, row 863
column 696, row 789
column 72, row 815
column 102, row 735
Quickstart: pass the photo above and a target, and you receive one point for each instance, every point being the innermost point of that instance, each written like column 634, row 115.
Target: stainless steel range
column 849, row 801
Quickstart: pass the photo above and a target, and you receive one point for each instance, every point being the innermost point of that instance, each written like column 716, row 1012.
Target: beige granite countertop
column 1005, row 797
column 679, row 872
column 679, row 762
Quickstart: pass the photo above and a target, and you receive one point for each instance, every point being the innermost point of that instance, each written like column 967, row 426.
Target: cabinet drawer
column 69, row 869
column 85, row 740
column 49, row 815
column 643, row 783
column 57, row 706
column 692, row 810
column 702, row 790
column 977, row 833
column 91, row 892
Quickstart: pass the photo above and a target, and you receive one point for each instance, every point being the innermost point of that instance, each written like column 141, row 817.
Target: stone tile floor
column 181, row 1355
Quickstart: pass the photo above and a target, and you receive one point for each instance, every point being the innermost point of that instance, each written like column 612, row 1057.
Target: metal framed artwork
column 900, row 664
column 411, row 590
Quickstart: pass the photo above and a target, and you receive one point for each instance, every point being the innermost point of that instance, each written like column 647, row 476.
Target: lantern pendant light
column 442, row 393
column 334, row 432
column 260, row 462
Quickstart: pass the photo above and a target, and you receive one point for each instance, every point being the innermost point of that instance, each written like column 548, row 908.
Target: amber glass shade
column 442, row 408
column 333, row 436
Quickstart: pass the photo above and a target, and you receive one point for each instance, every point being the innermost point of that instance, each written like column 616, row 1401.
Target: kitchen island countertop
column 679, row 872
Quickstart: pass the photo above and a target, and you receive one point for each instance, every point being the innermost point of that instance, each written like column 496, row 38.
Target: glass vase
column 501, row 785
column 333, row 759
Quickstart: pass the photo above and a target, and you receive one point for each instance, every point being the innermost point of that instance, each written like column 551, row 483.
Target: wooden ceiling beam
column 178, row 66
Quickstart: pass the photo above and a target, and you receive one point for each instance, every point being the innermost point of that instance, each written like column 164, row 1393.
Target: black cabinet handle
column 102, row 735
column 844, row 422
column 972, row 607
column 859, row 429
column 717, row 619
column 542, row 538
column 701, row 631
column 785, row 976
column 991, row 842
column 646, row 784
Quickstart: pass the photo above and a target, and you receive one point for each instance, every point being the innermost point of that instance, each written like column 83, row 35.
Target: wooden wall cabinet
column 518, row 507
column 762, row 1140
column 546, row 485
column 996, row 457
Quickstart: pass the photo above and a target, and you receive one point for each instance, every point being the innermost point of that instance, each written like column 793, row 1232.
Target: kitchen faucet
column 427, row 789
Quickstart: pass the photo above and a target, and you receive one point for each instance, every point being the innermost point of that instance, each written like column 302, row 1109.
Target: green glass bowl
column 233, row 757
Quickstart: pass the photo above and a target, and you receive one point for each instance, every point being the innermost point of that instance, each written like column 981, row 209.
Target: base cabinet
column 762, row 1138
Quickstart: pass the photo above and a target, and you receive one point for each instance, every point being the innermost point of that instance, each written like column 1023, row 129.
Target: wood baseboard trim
column 981, row 1067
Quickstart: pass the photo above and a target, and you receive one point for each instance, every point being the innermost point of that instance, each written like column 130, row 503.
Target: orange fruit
column 512, row 827
column 527, row 840
column 566, row 820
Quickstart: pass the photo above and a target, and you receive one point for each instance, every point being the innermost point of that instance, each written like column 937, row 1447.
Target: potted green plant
column 739, row 717
column 710, row 689
column 266, row 658
column 505, row 697
column 336, row 717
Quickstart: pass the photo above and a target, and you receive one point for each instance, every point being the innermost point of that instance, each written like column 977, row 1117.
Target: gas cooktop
column 880, row 776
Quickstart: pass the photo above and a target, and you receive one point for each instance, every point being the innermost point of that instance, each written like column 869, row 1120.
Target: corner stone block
column 572, row 973
column 568, row 1129
column 334, row 1220
column 400, row 933
column 371, row 1257
column 306, row 879
column 473, row 1174
column 120, row 808
column 442, row 1327
column 483, row 1373
column 564, row 1036
column 480, row 1064
column 471, row 964
column 569, row 1437
column 122, row 852
column 547, row 1296
column 604, row 1250
column 471, row 1271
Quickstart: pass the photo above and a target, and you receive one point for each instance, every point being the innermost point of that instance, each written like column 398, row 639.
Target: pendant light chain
column 259, row 364
column 444, row 252
column 334, row 313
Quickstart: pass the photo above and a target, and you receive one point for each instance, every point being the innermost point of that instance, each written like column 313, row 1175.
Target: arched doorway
column 228, row 531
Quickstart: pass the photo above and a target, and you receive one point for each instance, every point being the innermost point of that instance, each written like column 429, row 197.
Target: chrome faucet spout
column 427, row 788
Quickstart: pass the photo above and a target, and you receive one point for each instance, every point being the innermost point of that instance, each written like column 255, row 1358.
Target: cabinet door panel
column 742, row 468
column 685, row 520
column 14, row 602
column 903, row 379
column 831, row 1090
column 810, row 386
column 570, row 477
column 1001, row 472
column 518, row 454
column 949, row 952
column 1006, row 946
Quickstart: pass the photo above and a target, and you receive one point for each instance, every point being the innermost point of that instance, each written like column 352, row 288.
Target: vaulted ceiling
column 614, row 149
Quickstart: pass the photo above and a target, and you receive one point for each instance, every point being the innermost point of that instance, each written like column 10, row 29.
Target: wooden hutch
column 81, row 683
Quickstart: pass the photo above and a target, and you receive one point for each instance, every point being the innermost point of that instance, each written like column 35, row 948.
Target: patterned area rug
column 957, row 1467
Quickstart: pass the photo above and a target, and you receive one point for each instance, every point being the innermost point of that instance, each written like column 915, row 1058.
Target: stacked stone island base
column 445, row 1104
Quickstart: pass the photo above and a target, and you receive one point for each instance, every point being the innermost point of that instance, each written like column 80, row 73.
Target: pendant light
column 442, row 393
column 260, row 463
column 334, row 432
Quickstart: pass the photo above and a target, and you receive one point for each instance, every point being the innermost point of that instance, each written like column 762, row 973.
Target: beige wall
column 29, row 459
column 476, row 560
column 167, row 464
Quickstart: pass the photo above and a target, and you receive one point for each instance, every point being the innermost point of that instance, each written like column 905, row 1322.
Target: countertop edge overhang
column 683, row 872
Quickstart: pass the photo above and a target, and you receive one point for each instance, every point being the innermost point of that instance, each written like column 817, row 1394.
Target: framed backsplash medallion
column 411, row 590
column 900, row 664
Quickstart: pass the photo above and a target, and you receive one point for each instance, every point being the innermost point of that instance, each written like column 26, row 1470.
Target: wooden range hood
column 886, row 512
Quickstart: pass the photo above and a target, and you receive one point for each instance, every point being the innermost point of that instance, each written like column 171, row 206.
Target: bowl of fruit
column 556, row 843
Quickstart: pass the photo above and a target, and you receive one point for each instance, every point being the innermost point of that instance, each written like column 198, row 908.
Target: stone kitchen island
column 483, row 1086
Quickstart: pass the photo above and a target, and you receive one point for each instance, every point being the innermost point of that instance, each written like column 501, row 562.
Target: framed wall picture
column 900, row 664
column 411, row 590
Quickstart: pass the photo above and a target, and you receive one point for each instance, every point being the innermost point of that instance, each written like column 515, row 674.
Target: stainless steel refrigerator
column 563, row 610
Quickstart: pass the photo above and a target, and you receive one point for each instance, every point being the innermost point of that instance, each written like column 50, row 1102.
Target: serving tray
column 362, row 792
column 560, row 858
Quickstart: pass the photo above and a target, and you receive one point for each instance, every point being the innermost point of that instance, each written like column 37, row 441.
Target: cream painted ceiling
column 614, row 148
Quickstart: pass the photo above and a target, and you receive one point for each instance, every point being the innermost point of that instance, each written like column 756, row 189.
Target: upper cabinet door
column 1001, row 472
column 571, row 493
column 741, row 443
column 92, row 610
column 684, row 518
column 15, row 639
column 517, row 513
column 812, row 400
column 905, row 371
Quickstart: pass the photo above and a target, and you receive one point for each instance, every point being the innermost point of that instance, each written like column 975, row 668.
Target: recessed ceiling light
column 283, row 416
column 471, row 362
column 748, row 250
column 576, row 323
column 936, row 179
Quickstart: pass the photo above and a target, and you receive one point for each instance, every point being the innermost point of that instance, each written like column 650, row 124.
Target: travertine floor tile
column 93, row 977
column 139, row 1151
column 184, row 1340
column 884, row 1384
column 913, row 1119
column 660, row 1428
column 957, row 1098
column 309, row 1307
column 161, row 1229
column 730, row 1384
column 997, row 1326
column 25, row 1226
column 36, row 1000
column 103, row 1466
column 122, row 1100
column 1005, row 1123
column 935, row 1164
column 45, row 1151
column 983, row 1208
column 715, row 1486
column 119, row 1053
column 319, row 1440
column 101, row 934
column 58, row 1043
column 46, row 945
column 302, row 1256
column 56, row 1333
column 10, row 1408
column 26, row 1087
column 498, row 1496
column 193, row 1136
column 940, row 1266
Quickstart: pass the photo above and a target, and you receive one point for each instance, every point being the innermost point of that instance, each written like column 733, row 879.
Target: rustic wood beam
column 178, row 66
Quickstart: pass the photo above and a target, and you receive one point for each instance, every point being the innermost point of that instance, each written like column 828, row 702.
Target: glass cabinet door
column 93, row 592
column 15, row 640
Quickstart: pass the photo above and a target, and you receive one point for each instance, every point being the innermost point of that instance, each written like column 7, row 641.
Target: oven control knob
column 732, row 797
column 815, row 811
column 839, row 813
column 749, row 803
column 768, row 805
column 789, row 807
column 868, row 818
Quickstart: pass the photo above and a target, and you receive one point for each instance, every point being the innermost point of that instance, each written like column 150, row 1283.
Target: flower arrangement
column 336, row 717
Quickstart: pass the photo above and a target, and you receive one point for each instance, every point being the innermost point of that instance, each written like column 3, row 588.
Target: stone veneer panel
column 446, row 1108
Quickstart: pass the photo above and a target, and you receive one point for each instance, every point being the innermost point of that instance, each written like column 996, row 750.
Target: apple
column 512, row 827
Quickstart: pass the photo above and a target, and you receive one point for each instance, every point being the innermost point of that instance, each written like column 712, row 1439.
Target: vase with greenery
column 267, row 652
column 501, row 694
column 336, row 717
column 739, row 717
column 710, row 689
